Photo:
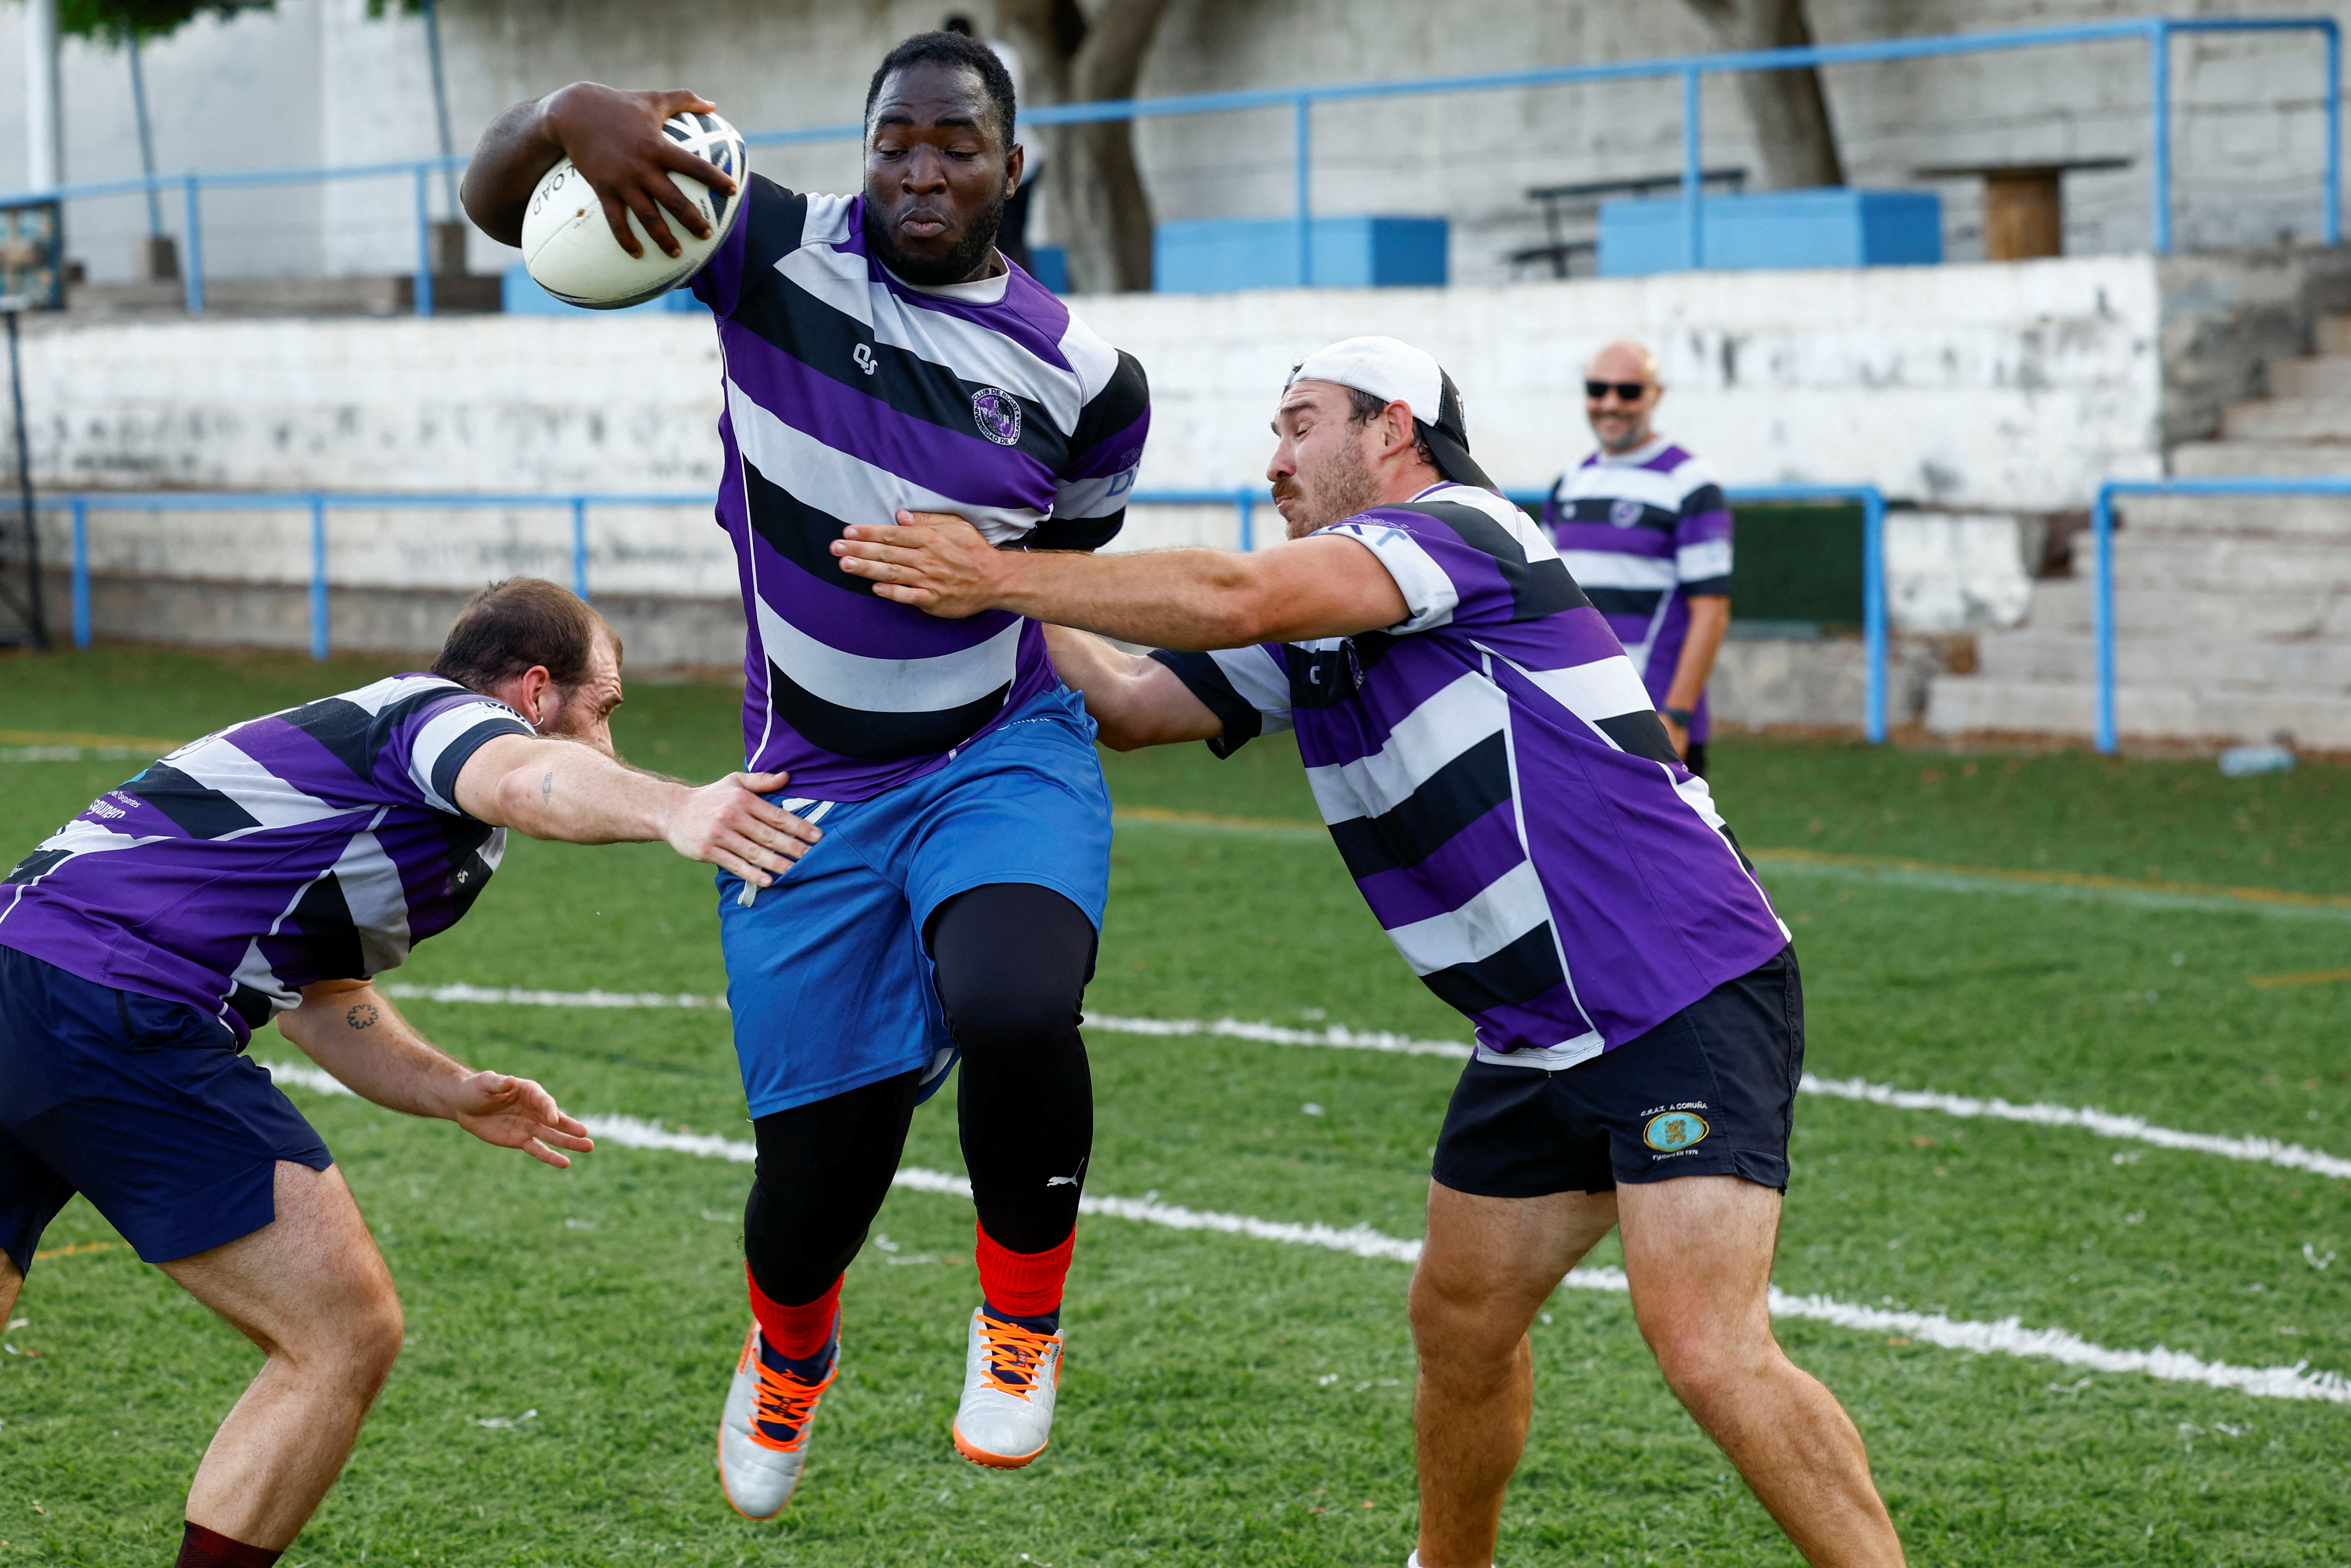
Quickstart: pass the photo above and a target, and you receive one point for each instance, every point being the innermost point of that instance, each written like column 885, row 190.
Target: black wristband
column 1680, row 715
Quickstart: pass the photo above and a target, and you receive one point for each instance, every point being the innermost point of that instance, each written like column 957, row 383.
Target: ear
column 1016, row 163
column 1397, row 422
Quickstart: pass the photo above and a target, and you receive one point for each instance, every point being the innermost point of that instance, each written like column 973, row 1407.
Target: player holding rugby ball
column 881, row 355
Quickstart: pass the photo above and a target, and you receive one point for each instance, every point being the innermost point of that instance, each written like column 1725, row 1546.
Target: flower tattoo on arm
column 363, row 1016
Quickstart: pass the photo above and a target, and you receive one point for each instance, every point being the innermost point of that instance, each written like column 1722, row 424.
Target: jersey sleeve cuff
column 1198, row 672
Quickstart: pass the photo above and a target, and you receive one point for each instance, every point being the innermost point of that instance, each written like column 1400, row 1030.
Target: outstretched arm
column 1190, row 600
column 1135, row 701
column 565, row 790
column 348, row 1028
column 615, row 139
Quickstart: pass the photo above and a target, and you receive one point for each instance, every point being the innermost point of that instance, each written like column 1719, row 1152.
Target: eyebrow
column 905, row 117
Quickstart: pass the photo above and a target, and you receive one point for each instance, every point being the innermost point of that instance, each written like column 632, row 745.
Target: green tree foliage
column 117, row 22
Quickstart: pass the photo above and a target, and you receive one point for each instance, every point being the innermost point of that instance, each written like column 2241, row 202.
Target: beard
column 957, row 265
column 1332, row 493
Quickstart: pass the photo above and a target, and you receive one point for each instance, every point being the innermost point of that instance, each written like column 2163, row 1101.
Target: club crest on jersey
column 1624, row 512
column 997, row 415
column 1674, row 1130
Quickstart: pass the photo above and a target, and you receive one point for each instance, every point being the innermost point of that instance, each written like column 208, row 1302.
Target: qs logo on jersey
column 1674, row 1130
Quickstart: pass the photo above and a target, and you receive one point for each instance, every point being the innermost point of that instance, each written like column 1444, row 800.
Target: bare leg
column 1487, row 1267
column 1698, row 1251
column 11, row 1279
column 310, row 1289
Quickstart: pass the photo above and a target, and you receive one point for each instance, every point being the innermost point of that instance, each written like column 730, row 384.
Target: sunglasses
column 1627, row 391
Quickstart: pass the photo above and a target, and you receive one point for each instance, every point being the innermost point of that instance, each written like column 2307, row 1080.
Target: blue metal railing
column 1873, row 633
column 2156, row 32
column 1244, row 500
column 2102, row 541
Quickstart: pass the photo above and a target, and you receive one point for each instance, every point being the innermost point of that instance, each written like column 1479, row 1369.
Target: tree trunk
column 1790, row 114
column 1101, row 212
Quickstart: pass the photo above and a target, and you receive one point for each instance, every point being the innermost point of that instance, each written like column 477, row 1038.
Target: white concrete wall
column 317, row 81
column 1976, row 388
column 1987, row 387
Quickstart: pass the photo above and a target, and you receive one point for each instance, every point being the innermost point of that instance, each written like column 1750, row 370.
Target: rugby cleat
column 1010, row 1375
column 762, row 1434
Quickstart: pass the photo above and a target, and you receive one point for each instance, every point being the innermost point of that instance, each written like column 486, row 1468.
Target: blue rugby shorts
column 830, row 983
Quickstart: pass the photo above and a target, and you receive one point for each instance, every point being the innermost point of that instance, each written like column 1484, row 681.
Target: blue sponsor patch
column 1673, row 1130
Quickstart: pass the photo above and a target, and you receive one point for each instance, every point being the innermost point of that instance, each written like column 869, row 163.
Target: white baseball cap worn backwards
column 1395, row 371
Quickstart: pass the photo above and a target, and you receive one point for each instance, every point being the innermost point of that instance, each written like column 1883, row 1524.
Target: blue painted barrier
column 1833, row 227
column 1215, row 255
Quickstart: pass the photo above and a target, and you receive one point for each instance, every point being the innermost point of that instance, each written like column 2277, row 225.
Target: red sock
column 798, row 1332
column 1026, row 1284
column 202, row 1548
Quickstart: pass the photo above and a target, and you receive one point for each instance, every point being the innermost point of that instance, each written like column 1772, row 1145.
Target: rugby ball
column 569, row 247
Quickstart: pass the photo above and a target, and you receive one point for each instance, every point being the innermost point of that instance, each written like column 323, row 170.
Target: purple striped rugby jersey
column 1641, row 532
column 319, row 844
column 851, row 393
column 1502, row 791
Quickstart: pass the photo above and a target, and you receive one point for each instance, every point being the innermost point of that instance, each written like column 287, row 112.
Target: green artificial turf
column 1238, row 1401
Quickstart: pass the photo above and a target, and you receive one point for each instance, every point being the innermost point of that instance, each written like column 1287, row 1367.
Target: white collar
column 979, row 291
column 1638, row 455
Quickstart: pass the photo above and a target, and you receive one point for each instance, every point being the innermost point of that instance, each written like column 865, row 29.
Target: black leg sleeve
column 824, row 1171
column 1013, row 960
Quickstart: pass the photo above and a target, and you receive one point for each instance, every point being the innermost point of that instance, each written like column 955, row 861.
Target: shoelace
column 785, row 1401
column 1009, row 1355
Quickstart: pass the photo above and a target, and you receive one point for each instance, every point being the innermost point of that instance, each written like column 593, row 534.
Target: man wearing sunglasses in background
column 1646, row 533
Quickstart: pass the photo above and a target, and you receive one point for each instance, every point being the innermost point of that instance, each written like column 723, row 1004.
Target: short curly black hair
column 944, row 48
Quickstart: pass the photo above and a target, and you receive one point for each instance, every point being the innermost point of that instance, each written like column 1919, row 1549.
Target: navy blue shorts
column 826, row 971
column 1709, row 1092
column 145, row 1107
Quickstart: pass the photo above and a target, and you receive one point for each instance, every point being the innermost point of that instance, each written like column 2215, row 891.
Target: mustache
column 1284, row 489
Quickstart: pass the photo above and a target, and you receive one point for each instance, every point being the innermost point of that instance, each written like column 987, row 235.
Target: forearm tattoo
column 361, row 1016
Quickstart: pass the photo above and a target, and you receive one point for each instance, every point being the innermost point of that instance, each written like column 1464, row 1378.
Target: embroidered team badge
column 997, row 415
column 1624, row 512
column 1673, row 1130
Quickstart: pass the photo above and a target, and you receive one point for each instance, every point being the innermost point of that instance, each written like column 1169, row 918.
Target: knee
column 1000, row 1018
column 366, row 1338
column 1705, row 1367
column 1466, row 1328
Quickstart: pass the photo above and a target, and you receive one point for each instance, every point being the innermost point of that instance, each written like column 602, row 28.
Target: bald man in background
column 1645, row 532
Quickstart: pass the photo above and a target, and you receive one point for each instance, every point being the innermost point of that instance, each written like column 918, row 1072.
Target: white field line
column 2008, row 1336
column 2106, row 1124
column 2089, row 1118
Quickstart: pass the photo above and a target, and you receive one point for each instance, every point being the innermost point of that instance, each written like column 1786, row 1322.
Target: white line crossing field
column 2008, row 1336
column 2089, row 1118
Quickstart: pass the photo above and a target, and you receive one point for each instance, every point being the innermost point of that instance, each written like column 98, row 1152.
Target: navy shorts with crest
column 1709, row 1092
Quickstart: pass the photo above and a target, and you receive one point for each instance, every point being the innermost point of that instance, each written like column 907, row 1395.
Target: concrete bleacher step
column 2320, row 375
column 2280, row 458
column 2232, row 613
column 1957, row 704
column 2297, row 419
column 2297, row 564
column 2233, row 516
column 2313, row 666
column 2063, row 604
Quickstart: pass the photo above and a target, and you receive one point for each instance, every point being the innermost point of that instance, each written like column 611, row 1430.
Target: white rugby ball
column 569, row 247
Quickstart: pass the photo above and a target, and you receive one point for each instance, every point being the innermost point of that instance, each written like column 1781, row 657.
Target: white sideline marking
column 518, row 997
column 2106, row 1124
column 2008, row 1336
